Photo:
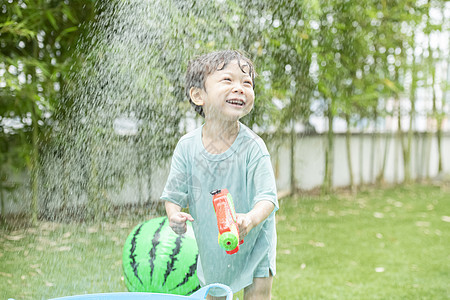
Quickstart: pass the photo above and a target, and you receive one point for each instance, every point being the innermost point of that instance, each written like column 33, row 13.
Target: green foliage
column 35, row 54
column 318, row 58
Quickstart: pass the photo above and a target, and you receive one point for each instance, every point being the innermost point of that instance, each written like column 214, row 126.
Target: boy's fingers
column 187, row 216
column 239, row 219
column 179, row 228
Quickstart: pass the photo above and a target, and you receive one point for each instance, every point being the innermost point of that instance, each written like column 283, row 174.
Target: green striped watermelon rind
column 156, row 259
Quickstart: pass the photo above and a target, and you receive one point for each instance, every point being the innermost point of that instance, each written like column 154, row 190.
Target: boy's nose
column 237, row 88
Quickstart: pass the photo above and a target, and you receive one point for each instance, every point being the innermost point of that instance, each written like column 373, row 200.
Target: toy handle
column 203, row 292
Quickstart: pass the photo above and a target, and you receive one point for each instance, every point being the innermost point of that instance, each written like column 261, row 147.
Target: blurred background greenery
column 327, row 68
column 373, row 66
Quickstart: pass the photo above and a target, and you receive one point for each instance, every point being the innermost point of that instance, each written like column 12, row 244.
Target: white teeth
column 236, row 102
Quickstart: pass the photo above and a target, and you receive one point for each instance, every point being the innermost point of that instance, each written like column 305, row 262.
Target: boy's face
column 228, row 93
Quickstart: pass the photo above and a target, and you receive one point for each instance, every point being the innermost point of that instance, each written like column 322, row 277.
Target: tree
column 437, row 113
column 35, row 50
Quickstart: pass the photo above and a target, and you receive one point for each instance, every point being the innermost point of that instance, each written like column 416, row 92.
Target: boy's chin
column 230, row 117
column 236, row 115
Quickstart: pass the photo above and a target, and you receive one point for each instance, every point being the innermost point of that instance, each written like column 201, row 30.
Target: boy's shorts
column 263, row 270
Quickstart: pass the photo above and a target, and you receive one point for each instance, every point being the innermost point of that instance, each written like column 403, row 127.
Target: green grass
column 379, row 244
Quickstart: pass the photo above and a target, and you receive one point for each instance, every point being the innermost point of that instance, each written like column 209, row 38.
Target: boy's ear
column 196, row 96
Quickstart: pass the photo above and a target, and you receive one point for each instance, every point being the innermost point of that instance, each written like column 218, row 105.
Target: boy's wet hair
column 202, row 66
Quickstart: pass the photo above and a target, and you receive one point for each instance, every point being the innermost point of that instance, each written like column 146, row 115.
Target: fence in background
column 368, row 154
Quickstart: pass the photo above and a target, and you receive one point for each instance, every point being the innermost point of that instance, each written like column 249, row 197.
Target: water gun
column 226, row 221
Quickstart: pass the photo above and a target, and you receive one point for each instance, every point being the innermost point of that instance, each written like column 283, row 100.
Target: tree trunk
column 34, row 167
column 412, row 116
column 439, row 148
column 446, row 90
column 380, row 176
column 400, row 146
column 396, row 141
column 349, row 153
column 361, row 160
column 435, row 113
column 374, row 139
column 292, row 158
column 419, row 156
column 2, row 205
column 439, row 120
column 428, row 139
column 329, row 153
column 34, row 159
column 407, row 156
column 405, row 149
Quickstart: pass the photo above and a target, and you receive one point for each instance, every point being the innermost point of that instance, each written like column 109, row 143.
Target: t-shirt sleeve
column 176, row 188
column 260, row 174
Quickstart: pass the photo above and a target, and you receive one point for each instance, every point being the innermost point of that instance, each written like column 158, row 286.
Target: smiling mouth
column 237, row 102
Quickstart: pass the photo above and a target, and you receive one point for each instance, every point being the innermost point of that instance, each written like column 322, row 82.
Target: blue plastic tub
column 198, row 295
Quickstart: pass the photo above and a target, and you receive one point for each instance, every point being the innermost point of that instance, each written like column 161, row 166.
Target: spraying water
column 121, row 116
column 124, row 111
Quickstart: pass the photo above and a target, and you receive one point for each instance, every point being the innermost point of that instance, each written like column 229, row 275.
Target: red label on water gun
column 226, row 221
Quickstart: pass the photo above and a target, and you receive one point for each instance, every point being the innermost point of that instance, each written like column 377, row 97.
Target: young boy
column 224, row 153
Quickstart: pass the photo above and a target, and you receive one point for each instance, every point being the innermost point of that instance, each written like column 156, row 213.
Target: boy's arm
column 259, row 213
column 177, row 218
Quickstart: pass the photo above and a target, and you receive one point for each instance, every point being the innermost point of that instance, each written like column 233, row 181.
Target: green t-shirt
column 246, row 171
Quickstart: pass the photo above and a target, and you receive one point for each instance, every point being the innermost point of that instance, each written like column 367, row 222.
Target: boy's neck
column 218, row 136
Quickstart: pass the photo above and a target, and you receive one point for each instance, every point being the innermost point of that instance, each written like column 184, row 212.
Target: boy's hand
column 250, row 220
column 245, row 224
column 177, row 218
column 177, row 222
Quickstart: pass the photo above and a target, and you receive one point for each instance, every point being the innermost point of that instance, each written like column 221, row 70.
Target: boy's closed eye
column 247, row 82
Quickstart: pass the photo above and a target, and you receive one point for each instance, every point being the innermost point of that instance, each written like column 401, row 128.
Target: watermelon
column 157, row 260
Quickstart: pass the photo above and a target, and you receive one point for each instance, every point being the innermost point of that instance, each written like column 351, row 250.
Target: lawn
column 378, row 244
